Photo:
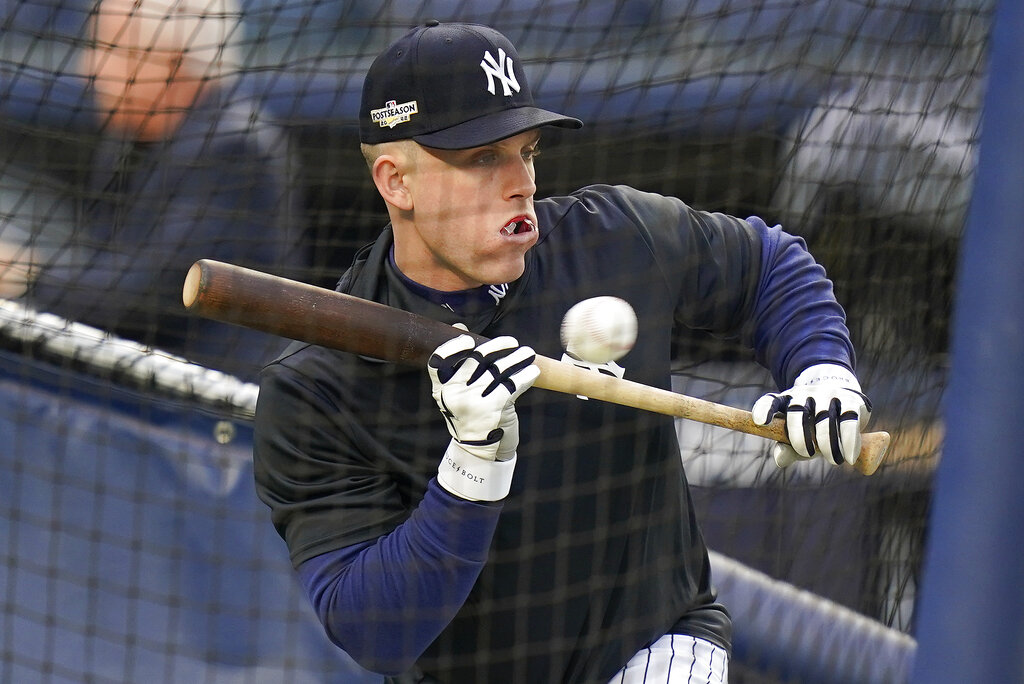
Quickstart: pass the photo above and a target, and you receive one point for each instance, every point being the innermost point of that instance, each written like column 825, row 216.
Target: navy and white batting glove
column 476, row 388
column 825, row 413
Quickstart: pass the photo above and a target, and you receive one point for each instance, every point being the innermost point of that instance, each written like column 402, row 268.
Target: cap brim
column 493, row 127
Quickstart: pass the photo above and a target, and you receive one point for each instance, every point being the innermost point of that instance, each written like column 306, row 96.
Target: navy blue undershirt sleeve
column 385, row 600
column 799, row 323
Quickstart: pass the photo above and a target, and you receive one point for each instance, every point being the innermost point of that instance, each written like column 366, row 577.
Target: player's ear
column 388, row 173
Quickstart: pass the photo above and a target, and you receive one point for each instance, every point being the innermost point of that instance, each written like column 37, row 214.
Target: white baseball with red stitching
column 599, row 329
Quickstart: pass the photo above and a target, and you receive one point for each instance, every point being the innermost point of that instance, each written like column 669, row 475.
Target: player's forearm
column 385, row 602
column 797, row 320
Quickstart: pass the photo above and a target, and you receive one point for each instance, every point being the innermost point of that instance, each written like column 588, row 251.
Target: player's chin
column 505, row 269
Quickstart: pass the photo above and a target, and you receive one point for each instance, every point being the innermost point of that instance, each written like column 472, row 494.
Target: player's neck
column 466, row 302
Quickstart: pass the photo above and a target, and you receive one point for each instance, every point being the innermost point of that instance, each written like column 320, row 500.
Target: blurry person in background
column 878, row 176
column 185, row 168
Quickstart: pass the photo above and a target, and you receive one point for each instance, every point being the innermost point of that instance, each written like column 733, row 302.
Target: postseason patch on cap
column 392, row 113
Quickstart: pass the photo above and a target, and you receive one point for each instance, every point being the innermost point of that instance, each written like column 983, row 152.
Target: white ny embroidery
column 498, row 292
column 502, row 70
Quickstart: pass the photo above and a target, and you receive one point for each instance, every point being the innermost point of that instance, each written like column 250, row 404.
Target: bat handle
column 873, row 445
column 565, row 377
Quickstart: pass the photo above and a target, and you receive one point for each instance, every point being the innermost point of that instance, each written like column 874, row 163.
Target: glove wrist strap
column 473, row 478
column 827, row 374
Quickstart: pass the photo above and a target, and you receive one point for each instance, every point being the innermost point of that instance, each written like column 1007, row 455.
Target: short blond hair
column 407, row 148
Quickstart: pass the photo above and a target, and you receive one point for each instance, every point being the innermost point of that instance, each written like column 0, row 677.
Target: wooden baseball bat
column 301, row 311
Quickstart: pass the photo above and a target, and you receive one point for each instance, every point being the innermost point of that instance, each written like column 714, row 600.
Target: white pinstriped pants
column 676, row 659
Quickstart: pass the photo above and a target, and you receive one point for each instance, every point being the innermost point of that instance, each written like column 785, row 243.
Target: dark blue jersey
column 596, row 551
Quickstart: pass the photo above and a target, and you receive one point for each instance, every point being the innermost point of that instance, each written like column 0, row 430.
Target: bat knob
column 193, row 280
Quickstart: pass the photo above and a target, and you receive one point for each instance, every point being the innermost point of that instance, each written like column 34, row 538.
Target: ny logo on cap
column 500, row 69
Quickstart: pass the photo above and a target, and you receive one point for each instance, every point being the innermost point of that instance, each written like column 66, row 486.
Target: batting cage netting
column 132, row 542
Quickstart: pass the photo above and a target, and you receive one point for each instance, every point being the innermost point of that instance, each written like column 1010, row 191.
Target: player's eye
column 485, row 158
column 531, row 153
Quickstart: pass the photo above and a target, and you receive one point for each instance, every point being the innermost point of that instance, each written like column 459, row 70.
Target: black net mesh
column 853, row 123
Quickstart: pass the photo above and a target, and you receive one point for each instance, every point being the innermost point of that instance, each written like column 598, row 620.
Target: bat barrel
column 299, row 311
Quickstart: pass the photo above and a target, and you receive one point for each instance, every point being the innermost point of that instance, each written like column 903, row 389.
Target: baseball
column 599, row 329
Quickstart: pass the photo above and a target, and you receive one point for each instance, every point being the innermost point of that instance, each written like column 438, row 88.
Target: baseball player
column 452, row 526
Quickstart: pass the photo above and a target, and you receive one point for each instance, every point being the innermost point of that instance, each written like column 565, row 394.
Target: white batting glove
column 476, row 387
column 825, row 413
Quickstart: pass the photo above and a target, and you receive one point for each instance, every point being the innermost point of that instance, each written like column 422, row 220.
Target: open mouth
column 518, row 226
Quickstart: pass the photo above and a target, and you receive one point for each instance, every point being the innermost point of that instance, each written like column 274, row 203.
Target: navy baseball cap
column 450, row 86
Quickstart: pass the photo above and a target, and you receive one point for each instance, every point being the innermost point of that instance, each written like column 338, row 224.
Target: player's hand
column 825, row 413
column 15, row 270
column 475, row 388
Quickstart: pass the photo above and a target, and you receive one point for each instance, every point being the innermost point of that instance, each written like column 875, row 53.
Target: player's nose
column 520, row 179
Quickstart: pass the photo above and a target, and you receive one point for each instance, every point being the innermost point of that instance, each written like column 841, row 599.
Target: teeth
column 510, row 227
